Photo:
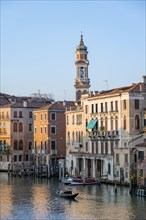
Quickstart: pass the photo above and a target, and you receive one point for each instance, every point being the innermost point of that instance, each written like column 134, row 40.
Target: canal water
column 29, row 198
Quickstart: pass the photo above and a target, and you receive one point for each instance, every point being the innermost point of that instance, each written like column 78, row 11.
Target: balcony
column 104, row 135
column 54, row 152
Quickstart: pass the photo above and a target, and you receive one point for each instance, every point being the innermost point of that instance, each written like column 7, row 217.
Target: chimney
column 24, row 103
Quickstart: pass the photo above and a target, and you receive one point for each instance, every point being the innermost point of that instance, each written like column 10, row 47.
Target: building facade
column 110, row 124
column 49, row 137
column 16, row 132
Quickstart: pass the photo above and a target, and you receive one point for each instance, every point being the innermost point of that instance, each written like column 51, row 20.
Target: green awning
column 91, row 124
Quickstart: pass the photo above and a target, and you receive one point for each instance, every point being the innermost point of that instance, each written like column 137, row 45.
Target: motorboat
column 66, row 194
column 86, row 181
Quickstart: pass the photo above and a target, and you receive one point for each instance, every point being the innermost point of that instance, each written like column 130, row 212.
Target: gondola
column 65, row 194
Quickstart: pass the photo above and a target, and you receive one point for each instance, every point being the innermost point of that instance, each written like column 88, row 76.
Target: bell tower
column 82, row 82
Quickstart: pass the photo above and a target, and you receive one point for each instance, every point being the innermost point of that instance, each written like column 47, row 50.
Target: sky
column 39, row 39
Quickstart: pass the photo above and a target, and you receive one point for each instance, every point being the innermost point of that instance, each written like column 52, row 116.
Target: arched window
column 15, row 127
column 15, row 144
column 124, row 122
column 20, row 145
column 137, row 122
column 20, row 127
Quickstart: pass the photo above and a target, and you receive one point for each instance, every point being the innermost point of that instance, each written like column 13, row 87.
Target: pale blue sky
column 39, row 39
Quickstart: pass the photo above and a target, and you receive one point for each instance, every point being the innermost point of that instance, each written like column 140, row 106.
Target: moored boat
column 67, row 180
column 86, row 181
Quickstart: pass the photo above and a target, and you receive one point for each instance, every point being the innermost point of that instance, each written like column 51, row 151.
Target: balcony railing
column 104, row 135
column 54, row 152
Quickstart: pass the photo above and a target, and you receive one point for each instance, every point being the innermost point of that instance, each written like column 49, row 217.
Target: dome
column 81, row 46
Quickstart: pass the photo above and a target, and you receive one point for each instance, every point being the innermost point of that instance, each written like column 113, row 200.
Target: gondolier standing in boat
column 70, row 187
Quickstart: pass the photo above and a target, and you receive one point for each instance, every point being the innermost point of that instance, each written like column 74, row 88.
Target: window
column 101, row 107
column 96, row 147
column 41, row 116
column 30, row 127
column 124, row 104
column 73, row 137
column 112, row 147
column 35, row 130
column 141, row 155
column 96, row 108
column 117, row 158
column 92, row 108
column 92, row 147
column 126, row 158
column 41, row 130
column 15, row 144
column 106, row 124
column 45, row 129
column 20, row 127
column 26, row 157
column 53, row 129
column 86, row 146
column 53, row 145
column 20, row 158
column 106, row 109
column 67, row 120
column 126, row 174
column 117, row 173
column 109, row 169
column 41, row 145
column 20, row 145
column 112, row 128
column 68, row 137
column 45, row 116
column 73, row 119
column 53, row 116
column 136, row 103
column 15, row 127
column 45, row 145
column 20, row 114
column 116, row 123
column 30, row 145
column 124, row 123
column 30, row 115
column 137, row 122
column 106, row 148
column 116, row 106
column 86, row 109
column 15, row 158
column 15, row 114
column 111, row 106
column 145, row 122
column 102, row 145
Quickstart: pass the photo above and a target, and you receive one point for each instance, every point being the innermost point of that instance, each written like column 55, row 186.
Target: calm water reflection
column 32, row 198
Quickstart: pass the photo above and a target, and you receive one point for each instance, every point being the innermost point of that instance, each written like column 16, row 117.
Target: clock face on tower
column 81, row 72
